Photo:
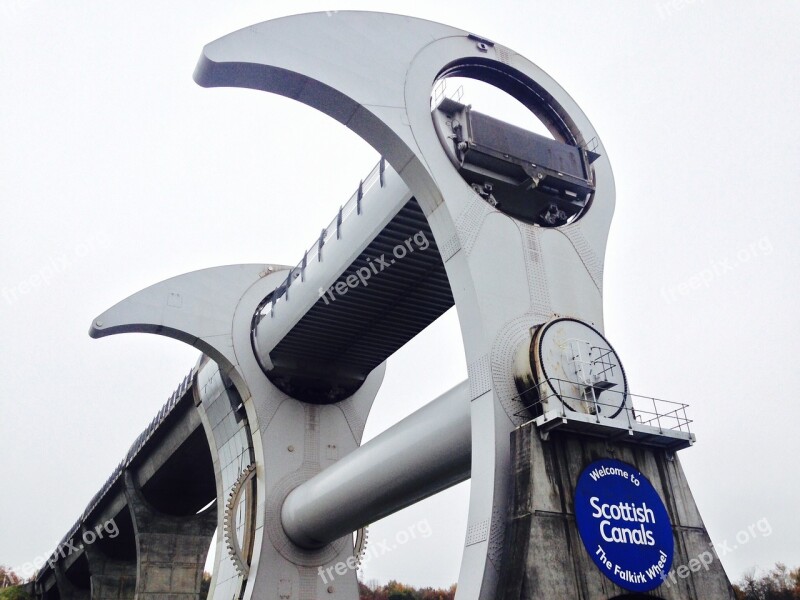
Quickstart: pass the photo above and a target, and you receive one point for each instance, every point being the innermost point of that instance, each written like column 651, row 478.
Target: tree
column 778, row 584
column 397, row 591
column 371, row 590
column 394, row 590
column 8, row 577
column 432, row 594
column 16, row 592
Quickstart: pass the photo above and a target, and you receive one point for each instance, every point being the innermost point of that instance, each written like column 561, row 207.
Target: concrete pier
column 111, row 579
column 67, row 590
column 546, row 559
column 171, row 550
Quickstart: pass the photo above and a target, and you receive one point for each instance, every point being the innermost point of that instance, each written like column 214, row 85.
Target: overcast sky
column 118, row 171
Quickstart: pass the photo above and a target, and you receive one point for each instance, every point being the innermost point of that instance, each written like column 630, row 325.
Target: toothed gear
column 360, row 545
column 229, row 524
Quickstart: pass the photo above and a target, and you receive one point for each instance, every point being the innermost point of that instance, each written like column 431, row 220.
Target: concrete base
column 171, row 551
column 111, row 579
column 68, row 590
column 546, row 558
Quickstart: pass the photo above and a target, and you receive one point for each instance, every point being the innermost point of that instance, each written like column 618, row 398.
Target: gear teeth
column 228, row 524
column 360, row 545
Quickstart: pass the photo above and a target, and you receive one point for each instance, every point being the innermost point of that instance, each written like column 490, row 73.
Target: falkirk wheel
column 575, row 487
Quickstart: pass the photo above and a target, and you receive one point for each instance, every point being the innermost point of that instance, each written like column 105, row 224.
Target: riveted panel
column 537, row 277
column 469, row 222
column 511, row 337
column 589, row 258
column 355, row 420
column 497, row 534
column 450, row 247
column 480, row 377
column 477, row 532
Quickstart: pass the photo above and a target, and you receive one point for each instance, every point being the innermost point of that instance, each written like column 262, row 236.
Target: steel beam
column 425, row 453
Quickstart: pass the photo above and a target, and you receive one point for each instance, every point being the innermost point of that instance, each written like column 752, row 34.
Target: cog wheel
column 360, row 545
column 240, row 549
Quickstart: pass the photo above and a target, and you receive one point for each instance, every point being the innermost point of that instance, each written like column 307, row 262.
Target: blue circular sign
column 624, row 525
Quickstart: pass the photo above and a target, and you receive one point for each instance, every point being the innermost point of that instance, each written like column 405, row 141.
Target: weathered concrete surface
column 66, row 589
column 110, row 579
column 546, row 559
column 170, row 452
column 171, row 550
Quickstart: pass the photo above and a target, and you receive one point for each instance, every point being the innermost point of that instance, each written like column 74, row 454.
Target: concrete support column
column 66, row 589
column 171, row 551
column 111, row 579
column 545, row 557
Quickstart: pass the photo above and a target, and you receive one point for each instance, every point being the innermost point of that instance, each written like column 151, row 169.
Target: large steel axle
column 425, row 453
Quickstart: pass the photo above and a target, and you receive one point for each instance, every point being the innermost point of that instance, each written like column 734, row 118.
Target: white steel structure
column 508, row 226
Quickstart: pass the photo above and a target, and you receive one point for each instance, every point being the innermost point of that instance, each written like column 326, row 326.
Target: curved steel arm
column 196, row 308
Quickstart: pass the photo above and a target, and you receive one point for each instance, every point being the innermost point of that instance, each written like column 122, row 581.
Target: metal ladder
column 592, row 366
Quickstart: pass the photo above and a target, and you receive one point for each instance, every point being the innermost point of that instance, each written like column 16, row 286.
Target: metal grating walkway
column 344, row 336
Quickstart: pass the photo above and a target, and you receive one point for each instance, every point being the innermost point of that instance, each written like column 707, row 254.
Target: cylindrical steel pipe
column 425, row 453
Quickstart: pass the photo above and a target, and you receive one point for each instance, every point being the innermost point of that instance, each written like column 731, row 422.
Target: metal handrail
column 347, row 209
column 332, row 231
column 671, row 417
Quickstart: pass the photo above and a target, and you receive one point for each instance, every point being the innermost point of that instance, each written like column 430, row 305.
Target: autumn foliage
column 778, row 584
column 398, row 591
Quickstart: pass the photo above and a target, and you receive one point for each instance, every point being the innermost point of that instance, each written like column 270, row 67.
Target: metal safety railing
column 440, row 90
column 333, row 231
column 596, row 365
column 569, row 397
